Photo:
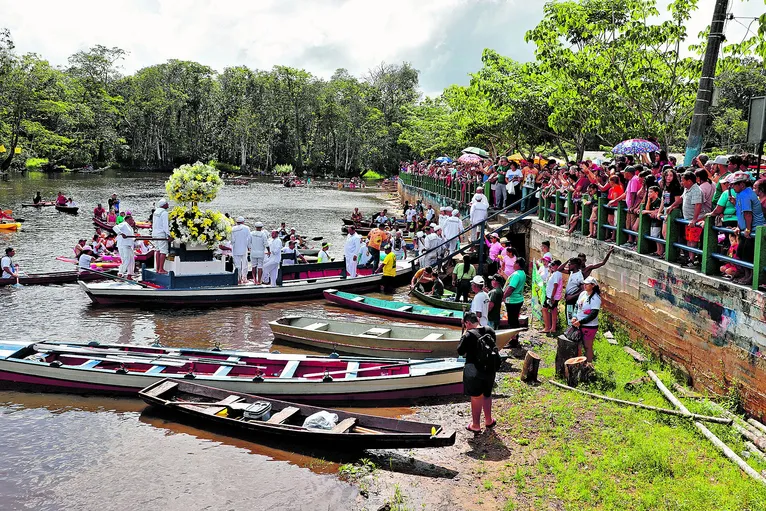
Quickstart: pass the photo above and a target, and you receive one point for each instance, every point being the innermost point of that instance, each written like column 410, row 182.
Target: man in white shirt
column 382, row 218
column 161, row 233
column 9, row 270
column 480, row 302
column 410, row 214
column 351, row 251
column 86, row 258
column 259, row 240
column 240, row 243
column 125, row 238
column 574, row 286
column 452, row 227
column 479, row 206
column 273, row 259
column 430, row 213
column 431, row 242
column 290, row 254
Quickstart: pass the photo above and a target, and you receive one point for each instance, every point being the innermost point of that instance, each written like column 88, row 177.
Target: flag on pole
column 538, row 294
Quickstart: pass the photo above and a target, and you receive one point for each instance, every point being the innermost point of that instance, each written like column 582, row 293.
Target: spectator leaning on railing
column 749, row 216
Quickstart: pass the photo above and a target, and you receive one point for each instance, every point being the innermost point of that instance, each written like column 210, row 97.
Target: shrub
column 35, row 163
column 283, row 169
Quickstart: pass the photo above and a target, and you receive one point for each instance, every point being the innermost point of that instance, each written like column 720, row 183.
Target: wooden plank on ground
column 638, row 357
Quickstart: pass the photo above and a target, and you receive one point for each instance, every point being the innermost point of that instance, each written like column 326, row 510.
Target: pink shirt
column 494, row 250
column 634, row 185
column 508, row 261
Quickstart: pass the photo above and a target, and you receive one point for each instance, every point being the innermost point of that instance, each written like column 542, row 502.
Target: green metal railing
column 558, row 209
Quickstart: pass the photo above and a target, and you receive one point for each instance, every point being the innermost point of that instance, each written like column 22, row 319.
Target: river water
column 72, row 452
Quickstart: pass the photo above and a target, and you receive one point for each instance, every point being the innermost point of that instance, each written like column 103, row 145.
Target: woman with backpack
column 478, row 346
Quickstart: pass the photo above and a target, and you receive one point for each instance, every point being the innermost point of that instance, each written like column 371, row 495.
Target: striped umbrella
column 635, row 146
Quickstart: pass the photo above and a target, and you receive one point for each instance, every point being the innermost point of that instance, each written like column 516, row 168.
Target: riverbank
column 555, row 449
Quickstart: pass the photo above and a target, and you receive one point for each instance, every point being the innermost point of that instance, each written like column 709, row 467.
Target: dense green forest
column 604, row 70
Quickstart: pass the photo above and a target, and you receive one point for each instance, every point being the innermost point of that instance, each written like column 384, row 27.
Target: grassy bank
column 556, row 449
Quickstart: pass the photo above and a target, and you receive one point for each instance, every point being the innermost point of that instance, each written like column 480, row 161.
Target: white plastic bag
column 321, row 420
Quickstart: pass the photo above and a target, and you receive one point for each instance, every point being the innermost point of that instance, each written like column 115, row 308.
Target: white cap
column 448, row 208
column 480, row 189
column 478, row 280
column 240, row 220
column 162, row 203
column 455, row 212
column 258, row 224
column 590, row 280
column 433, row 226
column 721, row 160
column 442, row 208
column 494, row 235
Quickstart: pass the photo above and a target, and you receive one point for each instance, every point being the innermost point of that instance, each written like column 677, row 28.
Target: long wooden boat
column 405, row 310
column 314, row 270
column 441, row 302
column 373, row 339
column 234, row 412
column 102, row 224
column 41, row 204
column 126, row 369
column 68, row 209
column 123, row 293
column 55, row 277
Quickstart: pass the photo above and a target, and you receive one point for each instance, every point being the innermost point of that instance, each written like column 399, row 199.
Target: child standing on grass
column 553, row 292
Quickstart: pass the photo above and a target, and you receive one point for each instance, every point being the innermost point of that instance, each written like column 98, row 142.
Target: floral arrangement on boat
column 194, row 183
column 190, row 224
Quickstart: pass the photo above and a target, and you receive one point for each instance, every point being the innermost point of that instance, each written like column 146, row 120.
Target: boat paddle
column 115, row 277
column 390, row 366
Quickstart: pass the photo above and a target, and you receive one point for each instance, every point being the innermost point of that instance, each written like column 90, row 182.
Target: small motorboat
column 56, row 277
column 373, row 340
column 10, row 226
column 256, row 417
column 72, row 210
column 405, row 310
column 123, row 369
column 447, row 301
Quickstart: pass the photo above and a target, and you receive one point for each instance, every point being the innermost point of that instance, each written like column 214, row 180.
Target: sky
column 443, row 39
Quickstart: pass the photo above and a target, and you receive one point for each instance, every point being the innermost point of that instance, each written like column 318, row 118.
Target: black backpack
column 487, row 355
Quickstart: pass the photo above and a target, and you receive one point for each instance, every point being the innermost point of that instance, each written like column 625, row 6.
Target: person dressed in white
column 410, row 214
column 272, row 260
column 480, row 302
column 9, row 270
column 351, row 251
column 291, row 255
column 431, row 242
column 452, row 227
column 125, row 235
column 430, row 213
column 364, row 255
column 161, row 235
column 240, row 243
column 259, row 240
column 324, row 255
column 86, row 259
column 479, row 206
column 442, row 216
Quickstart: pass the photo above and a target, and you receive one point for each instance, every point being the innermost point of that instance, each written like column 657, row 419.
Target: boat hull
column 45, row 279
column 72, row 210
column 443, row 304
column 108, row 294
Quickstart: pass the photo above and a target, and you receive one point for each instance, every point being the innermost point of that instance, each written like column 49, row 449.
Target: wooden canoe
column 404, row 310
column 373, row 340
column 38, row 205
column 56, row 277
column 441, row 302
column 225, row 409
column 68, row 209
column 122, row 369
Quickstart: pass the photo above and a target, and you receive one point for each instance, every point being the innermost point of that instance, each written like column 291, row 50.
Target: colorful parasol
column 444, row 159
column 469, row 158
column 635, row 146
column 477, row 151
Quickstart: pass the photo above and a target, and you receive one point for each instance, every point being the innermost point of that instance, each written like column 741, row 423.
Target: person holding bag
column 478, row 345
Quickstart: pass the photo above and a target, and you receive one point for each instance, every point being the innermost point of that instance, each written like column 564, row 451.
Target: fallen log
column 718, row 420
column 565, row 350
column 638, row 357
column 725, row 449
column 632, row 385
column 686, row 393
column 757, row 425
column 530, row 367
column 575, row 370
column 752, row 448
column 759, row 441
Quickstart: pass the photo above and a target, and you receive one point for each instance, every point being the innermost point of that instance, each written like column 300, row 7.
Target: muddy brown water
column 73, row 452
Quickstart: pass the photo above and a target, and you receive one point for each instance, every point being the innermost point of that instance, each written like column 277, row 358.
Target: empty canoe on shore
column 405, row 310
column 255, row 416
column 373, row 340
column 123, row 369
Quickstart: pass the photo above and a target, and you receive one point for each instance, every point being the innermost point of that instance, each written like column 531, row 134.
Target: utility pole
column 707, row 80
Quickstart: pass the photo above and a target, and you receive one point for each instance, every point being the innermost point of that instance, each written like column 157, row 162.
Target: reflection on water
column 75, row 452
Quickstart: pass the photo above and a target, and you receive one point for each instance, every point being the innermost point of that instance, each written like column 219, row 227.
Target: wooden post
column 565, row 350
column 530, row 367
column 575, row 370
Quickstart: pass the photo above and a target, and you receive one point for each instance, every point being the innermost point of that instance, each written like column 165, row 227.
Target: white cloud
column 442, row 38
